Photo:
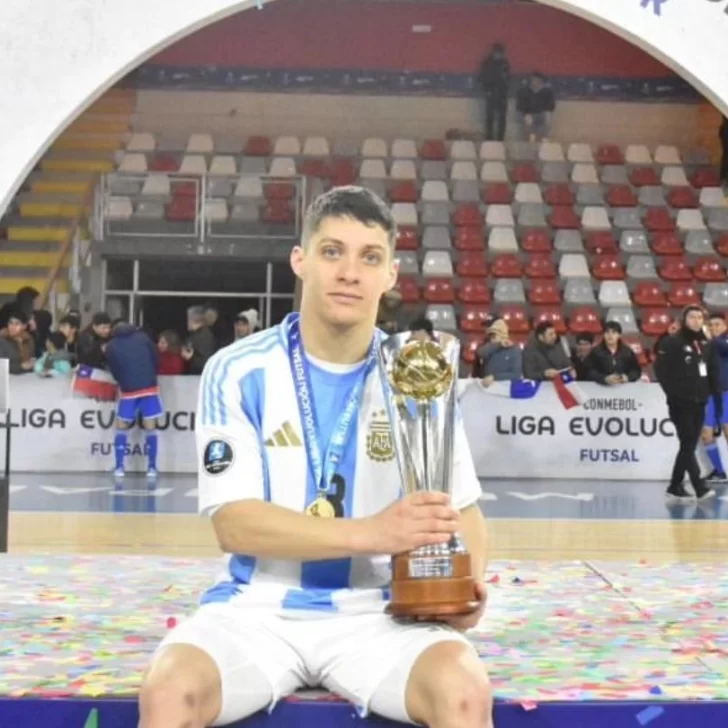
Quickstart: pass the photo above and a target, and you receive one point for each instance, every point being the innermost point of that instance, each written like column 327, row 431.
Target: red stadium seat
column 258, row 146
column 524, row 173
column 540, row 266
column 639, row 350
column 470, row 346
column 609, row 154
column 705, row 177
column 469, row 238
column 472, row 265
column 438, row 290
column 474, row 318
column 342, row 172
column 553, row 315
column 563, row 217
column 601, row 242
column 709, row 270
column 467, row 215
column 279, row 190
column 607, row 268
column 506, row 265
column 497, row 193
column 683, row 294
column 649, row 295
column 544, row 293
column 559, row 194
column 659, row 220
column 474, row 291
column 621, row 196
column 163, row 163
column 404, row 191
column 674, row 269
column 666, row 244
column 536, row 241
column 182, row 209
column 314, row 168
column 408, row 290
column 721, row 245
column 184, row 188
column 407, row 238
column 277, row 212
column 654, row 321
column 434, row 149
column 516, row 318
column 644, row 177
column 585, row 320
column 682, row 198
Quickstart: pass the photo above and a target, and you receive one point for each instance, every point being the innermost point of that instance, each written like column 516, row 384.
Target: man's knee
column 707, row 435
column 181, row 690
column 450, row 688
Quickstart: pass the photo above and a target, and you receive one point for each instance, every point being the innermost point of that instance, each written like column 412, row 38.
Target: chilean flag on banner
column 515, row 389
column 94, row 384
column 568, row 391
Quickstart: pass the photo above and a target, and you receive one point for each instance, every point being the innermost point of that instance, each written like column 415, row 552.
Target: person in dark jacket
column 93, row 340
column 714, row 424
column 16, row 344
column 688, row 371
column 200, row 344
column 613, row 362
column 580, row 357
column 535, row 104
column 132, row 360
column 544, row 355
column 495, row 79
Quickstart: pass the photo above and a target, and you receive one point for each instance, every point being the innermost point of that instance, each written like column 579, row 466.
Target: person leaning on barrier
column 613, row 362
column 688, row 371
column 545, row 355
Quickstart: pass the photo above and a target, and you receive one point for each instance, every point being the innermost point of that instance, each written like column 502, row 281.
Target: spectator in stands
column 27, row 301
column 389, row 312
column 499, row 358
column 495, row 79
column 132, row 360
column 545, row 356
column 56, row 361
column 584, row 345
column 713, row 424
column 422, row 329
column 92, row 342
column 16, row 344
column 220, row 328
column 170, row 358
column 253, row 319
column 242, row 327
column 40, row 326
column 688, row 371
column 613, row 362
column 200, row 344
column 535, row 104
column 69, row 326
column 723, row 135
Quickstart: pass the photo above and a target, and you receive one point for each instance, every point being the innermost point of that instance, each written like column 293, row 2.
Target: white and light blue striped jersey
column 251, row 445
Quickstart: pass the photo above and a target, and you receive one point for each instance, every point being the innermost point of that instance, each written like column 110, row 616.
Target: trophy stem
column 429, row 454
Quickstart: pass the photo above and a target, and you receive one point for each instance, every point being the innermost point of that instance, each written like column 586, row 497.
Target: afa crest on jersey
column 379, row 445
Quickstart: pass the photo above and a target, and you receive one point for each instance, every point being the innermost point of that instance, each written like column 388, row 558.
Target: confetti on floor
column 87, row 625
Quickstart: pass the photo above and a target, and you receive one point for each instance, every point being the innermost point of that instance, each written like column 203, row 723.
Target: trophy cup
column 431, row 581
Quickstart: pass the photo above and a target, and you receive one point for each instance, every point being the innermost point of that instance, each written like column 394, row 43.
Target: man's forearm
column 265, row 530
column 473, row 531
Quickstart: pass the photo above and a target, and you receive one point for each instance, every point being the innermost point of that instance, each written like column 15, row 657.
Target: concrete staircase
column 42, row 218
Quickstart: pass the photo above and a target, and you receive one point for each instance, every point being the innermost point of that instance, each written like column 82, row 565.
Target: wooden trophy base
column 434, row 598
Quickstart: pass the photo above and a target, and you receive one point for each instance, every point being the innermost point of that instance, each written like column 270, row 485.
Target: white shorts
column 263, row 657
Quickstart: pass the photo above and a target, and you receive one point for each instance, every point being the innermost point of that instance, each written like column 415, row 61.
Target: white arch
column 58, row 57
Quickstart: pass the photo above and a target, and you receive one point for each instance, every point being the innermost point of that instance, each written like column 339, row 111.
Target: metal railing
column 135, row 205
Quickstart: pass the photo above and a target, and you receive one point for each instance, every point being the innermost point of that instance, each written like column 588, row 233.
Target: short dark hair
column 543, row 327
column 101, row 319
column 19, row 315
column 716, row 315
column 422, row 324
column 613, row 326
column 71, row 321
column 350, row 201
column 585, row 337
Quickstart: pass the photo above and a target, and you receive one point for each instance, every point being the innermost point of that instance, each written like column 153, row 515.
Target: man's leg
column 709, row 442
column 152, row 410
column 125, row 416
column 220, row 666
column 419, row 673
column 678, row 419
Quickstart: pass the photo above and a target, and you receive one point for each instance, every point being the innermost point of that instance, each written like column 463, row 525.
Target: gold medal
column 321, row 508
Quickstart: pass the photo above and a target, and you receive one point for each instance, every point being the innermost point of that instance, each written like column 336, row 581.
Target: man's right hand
column 551, row 373
column 419, row 519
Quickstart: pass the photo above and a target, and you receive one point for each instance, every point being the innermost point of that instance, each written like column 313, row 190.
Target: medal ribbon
column 323, row 466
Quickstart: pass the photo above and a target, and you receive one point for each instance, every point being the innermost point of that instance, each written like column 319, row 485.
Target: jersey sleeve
column 229, row 456
column 466, row 490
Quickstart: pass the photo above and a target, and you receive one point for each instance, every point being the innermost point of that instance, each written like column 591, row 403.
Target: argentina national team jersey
column 251, row 445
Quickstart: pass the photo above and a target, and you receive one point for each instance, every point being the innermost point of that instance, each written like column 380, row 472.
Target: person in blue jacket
column 713, row 423
column 132, row 359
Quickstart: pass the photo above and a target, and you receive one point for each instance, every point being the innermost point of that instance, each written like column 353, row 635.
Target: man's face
column 694, row 320
column 549, row 336
column 583, row 349
column 210, row 316
column 345, row 269
column 102, row 330
column 68, row 331
column 536, row 83
column 611, row 338
column 242, row 329
column 717, row 326
column 15, row 328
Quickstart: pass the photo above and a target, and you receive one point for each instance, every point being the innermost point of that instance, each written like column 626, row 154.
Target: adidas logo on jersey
column 285, row 436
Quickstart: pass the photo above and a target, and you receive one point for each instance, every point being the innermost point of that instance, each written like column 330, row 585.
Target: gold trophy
column 431, row 581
